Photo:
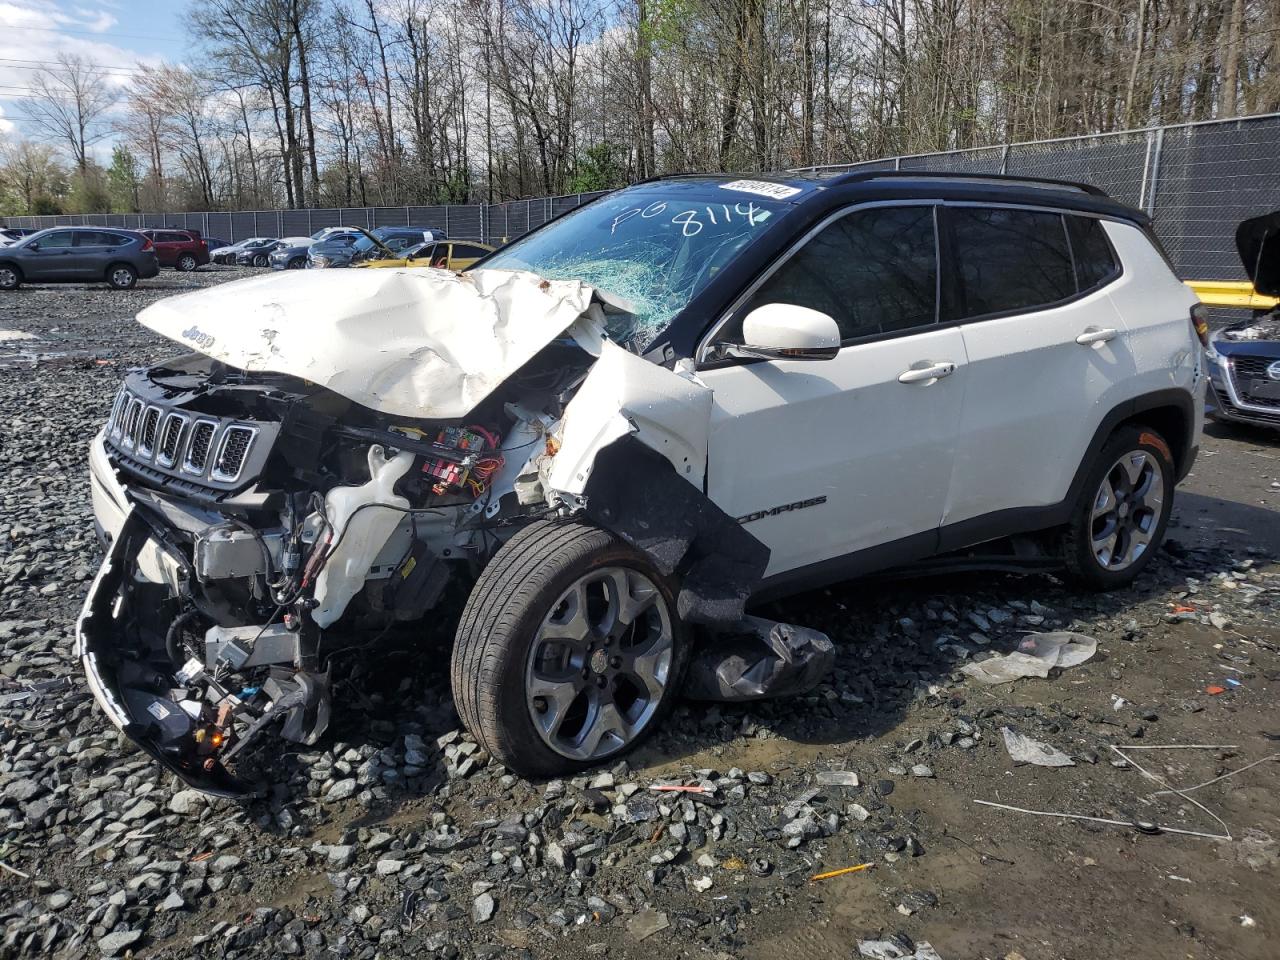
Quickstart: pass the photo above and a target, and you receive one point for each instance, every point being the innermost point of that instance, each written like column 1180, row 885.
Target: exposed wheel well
column 1174, row 424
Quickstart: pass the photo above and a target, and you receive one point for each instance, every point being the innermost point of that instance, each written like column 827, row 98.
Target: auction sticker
column 763, row 188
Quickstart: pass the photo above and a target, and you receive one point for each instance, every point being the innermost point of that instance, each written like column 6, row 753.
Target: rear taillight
column 1200, row 323
column 147, row 244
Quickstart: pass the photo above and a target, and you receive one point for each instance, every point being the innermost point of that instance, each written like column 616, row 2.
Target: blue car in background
column 1244, row 357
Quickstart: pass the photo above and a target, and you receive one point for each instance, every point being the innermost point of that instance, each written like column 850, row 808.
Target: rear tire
column 1119, row 518
column 297, row 263
column 187, row 263
column 10, row 277
column 260, row 260
column 569, row 652
column 121, row 276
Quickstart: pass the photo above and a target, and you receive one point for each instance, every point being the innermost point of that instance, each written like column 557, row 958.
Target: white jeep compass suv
column 619, row 431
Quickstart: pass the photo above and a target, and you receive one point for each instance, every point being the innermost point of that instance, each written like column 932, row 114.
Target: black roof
column 923, row 184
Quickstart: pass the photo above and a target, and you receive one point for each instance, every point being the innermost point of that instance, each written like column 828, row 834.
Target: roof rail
column 859, row 176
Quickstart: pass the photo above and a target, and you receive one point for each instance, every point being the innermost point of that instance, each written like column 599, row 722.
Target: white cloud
column 31, row 36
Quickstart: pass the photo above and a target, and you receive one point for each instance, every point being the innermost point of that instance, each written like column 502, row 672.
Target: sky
column 115, row 34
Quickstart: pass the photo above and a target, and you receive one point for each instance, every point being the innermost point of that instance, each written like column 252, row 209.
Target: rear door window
column 94, row 238
column 1007, row 261
column 875, row 271
column 1094, row 259
column 464, row 251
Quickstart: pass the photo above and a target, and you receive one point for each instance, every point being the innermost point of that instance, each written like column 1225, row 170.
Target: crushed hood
column 413, row 343
column 1258, row 240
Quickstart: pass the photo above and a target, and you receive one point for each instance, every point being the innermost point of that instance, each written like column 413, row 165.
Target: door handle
column 927, row 371
column 1094, row 335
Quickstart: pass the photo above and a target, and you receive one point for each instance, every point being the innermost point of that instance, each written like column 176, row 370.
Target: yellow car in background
column 449, row 254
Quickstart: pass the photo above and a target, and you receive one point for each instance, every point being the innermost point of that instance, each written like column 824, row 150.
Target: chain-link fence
column 1196, row 180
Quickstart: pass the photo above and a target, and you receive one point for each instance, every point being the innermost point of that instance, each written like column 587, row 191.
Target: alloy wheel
column 122, row 277
column 598, row 667
column 187, row 264
column 8, row 278
column 1127, row 509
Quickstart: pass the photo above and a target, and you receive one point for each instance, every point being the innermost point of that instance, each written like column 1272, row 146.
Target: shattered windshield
column 653, row 247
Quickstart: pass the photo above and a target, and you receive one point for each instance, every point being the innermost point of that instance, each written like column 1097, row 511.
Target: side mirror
column 784, row 331
column 33, row 245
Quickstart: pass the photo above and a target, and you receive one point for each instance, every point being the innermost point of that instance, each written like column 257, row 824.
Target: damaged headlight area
column 254, row 523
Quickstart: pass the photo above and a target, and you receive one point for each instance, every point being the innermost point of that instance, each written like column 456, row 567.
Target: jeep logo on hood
column 201, row 339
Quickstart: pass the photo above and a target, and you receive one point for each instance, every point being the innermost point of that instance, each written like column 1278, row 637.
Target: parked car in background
column 215, row 243
column 346, row 249
column 291, row 253
column 1244, row 357
column 181, row 249
column 79, row 254
column 446, row 254
column 325, row 232
column 256, row 254
column 228, row 254
column 10, row 235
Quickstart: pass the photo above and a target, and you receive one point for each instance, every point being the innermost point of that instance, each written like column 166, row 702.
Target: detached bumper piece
column 190, row 713
column 758, row 659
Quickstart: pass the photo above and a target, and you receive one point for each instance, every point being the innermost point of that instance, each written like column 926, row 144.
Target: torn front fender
column 634, row 493
column 625, row 395
column 123, row 687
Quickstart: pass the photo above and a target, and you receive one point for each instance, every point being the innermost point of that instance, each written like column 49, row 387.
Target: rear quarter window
column 1094, row 259
column 1008, row 260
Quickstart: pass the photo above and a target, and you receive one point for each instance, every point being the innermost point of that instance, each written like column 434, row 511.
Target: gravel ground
column 396, row 836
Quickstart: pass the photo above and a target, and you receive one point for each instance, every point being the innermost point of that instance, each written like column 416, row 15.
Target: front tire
column 187, row 263
column 569, row 652
column 121, row 276
column 10, row 277
column 1119, row 519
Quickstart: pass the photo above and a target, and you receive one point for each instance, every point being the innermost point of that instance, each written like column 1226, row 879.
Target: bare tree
column 67, row 105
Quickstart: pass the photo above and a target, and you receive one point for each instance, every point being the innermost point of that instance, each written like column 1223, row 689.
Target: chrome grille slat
column 233, row 449
column 148, row 430
column 117, row 408
column 170, row 439
column 198, row 446
column 129, row 431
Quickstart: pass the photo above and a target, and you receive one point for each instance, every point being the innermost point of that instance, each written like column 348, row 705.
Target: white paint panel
column 411, row 342
column 880, row 451
column 1032, row 403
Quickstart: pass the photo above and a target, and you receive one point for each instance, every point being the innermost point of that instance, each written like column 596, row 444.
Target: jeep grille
column 205, row 449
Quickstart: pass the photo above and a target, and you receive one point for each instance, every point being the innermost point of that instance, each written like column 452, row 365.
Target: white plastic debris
column 1022, row 749
column 897, row 949
column 359, row 532
column 1036, row 655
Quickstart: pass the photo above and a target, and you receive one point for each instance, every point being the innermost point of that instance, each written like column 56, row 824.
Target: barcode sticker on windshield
column 775, row 191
